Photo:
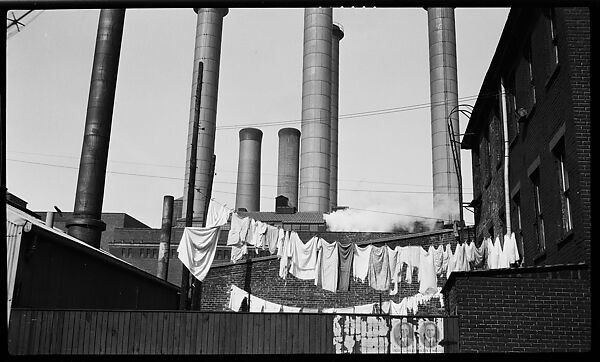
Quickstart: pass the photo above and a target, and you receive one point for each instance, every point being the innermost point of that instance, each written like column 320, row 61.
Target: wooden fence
column 126, row 332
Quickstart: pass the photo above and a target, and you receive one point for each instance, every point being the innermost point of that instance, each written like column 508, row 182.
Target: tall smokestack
column 444, row 99
column 287, row 164
column 316, row 111
column 337, row 33
column 209, row 28
column 248, row 178
column 86, row 224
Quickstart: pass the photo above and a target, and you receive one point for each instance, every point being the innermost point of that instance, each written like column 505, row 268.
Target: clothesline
column 259, row 305
column 331, row 264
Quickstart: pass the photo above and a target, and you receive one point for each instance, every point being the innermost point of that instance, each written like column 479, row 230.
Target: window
column 539, row 222
column 553, row 40
column 563, row 179
column 531, row 78
column 517, row 202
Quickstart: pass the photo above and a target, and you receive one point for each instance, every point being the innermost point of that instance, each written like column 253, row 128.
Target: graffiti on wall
column 387, row 334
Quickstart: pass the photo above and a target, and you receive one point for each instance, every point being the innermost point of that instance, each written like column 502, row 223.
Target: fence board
column 56, row 333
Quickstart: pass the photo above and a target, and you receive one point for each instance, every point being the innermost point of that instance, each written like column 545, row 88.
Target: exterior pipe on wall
column 506, row 158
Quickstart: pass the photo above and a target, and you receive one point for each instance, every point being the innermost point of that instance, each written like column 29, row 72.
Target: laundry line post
column 189, row 212
column 197, row 284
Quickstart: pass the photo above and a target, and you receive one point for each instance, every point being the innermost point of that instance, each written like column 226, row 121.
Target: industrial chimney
column 86, row 224
column 315, row 145
column 208, row 50
column 444, row 99
column 337, row 33
column 248, row 178
column 287, row 165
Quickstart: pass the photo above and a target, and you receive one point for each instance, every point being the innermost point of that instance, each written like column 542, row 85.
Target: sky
column 384, row 151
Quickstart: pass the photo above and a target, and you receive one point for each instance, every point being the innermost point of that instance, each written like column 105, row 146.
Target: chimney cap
column 223, row 11
column 250, row 134
column 288, row 131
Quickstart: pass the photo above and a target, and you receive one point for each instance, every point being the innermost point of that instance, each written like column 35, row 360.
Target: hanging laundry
column 438, row 257
column 510, row 248
column 494, row 254
column 345, row 258
column 272, row 307
column 364, row 309
column 236, row 296
column 427, row 272
column 217, row 214
column 238, row 252
column 198, row 245
column 478, row 255
column 271, row 237
column 259, row 235
column 398, row 308
column 393, row 262
column 503, row 257
column 257, row 305
column 250, row 235
column 379, row 268
column 327, row 266
column 360, row 266
column 285, row 254
column 445, row 259
column 345, row 310
column 304, row 259
column 470, row 253
column 279, row 242
column 235, row 232
column 410, row 256
column 385, row 307
column 451, row 260
column 309, row 310
column 459, row 257
column 287, row 309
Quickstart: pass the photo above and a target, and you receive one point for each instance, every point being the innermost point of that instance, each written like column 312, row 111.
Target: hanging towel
column 427, row 274
column 236, row 296
column 345, row 257
column 327, row 266
column 217, row 214
column 329, row 310
column 470, row 253
column 304, row 260
column 459, row 257
column 271, row 238
column 345, row 310
column 379, row 268
column 398, row 308
column 364, row 309
column 393, row 258
column 360, row 266
column 198, row 245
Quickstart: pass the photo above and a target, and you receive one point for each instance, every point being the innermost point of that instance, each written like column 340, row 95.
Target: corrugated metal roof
column 297, row 218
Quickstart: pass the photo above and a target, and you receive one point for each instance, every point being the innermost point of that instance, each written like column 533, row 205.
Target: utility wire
column 218, row 182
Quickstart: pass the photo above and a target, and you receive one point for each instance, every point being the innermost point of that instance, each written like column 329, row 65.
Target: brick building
column 537, row 88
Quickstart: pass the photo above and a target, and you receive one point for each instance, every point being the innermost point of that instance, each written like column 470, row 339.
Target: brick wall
column 540, row 309
column 577, row 24
column 260, row 277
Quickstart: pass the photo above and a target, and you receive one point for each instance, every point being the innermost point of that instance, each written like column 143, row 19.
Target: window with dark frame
column 563, row 179
column 539, row 216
